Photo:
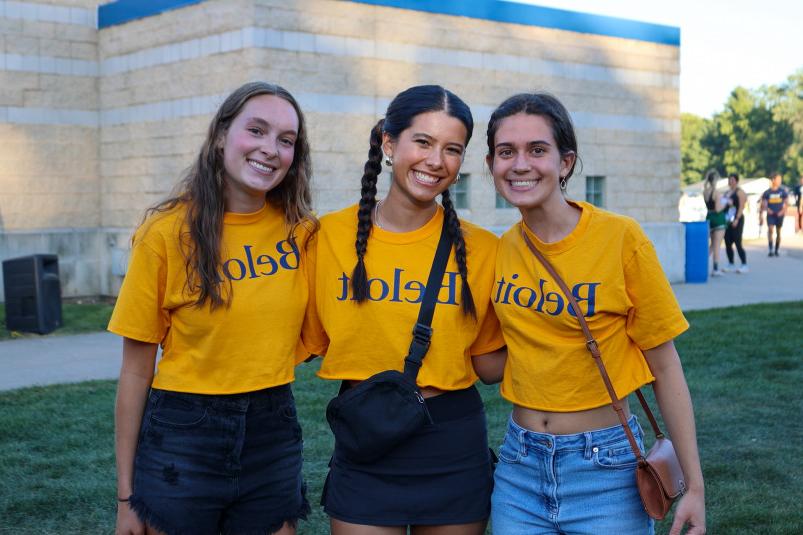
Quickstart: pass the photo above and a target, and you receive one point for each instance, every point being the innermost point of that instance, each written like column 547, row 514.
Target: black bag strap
column 422, row 332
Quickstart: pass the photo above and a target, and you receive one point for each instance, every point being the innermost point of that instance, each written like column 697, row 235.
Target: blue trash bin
column 696, row 251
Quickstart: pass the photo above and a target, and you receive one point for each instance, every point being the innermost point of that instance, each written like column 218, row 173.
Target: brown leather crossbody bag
column 659, row 476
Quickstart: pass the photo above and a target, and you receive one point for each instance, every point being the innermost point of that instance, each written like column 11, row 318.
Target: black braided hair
column 460, row 253
column 370, row 175
column 399, row 116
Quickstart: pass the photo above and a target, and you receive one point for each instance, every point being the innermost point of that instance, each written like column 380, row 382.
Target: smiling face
column 426, row 157
column 526, row 162
column 776, row 181
column 258, row 151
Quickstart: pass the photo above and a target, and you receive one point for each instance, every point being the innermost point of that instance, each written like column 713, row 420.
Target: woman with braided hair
column 366, row 299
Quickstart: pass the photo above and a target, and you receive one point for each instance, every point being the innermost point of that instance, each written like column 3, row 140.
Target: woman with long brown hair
column 210, row 443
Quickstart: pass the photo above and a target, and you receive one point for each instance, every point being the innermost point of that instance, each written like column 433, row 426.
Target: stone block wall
column 345, row 60
column 50, row 194
column 100, row 124
column 48, row 115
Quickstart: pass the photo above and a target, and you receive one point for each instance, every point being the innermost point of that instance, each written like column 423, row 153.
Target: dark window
column 460, row 192
column 595, row 190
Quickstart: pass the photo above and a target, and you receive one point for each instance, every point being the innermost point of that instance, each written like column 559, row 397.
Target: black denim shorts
column 442, row 475
column 210, row 464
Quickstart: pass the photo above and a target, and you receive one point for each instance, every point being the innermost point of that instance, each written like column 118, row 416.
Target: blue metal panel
column 546, row 17
column 122, row 11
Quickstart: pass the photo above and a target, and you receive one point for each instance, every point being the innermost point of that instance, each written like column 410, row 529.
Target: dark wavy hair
column 544, row 105
column 399, row 116
column 202, row 190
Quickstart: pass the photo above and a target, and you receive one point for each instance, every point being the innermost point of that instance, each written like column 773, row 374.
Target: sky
column 723, row 44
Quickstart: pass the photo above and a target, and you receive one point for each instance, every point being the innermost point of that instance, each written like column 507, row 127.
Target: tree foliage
column 695, row 159
column 757, row 132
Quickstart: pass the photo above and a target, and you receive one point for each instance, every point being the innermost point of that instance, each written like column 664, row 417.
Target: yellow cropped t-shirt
column 361, row 339
column 251, row 344
column 612, row 269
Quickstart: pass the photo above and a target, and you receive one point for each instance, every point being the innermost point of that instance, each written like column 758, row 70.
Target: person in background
column 736, row 200
column 715, row 218
column 210, row 443
column 773, row 202
column 799, row 205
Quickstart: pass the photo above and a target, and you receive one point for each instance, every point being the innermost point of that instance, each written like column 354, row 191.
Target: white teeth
column 522, row 183
column 423, row 177
column 261, row 166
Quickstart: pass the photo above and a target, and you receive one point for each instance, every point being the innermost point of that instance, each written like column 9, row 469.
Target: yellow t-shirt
column 611, row 268
column 361, row 339
column 250, row 345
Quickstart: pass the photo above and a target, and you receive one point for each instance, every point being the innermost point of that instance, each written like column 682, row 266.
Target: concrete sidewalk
column 59, row 359
column 64, row 359
column 770, row 280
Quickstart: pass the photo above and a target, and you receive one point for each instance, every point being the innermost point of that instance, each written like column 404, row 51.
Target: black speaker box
column 33, row 293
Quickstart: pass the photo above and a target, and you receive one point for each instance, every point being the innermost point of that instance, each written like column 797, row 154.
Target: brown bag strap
column 593, row 348
column 648, row 412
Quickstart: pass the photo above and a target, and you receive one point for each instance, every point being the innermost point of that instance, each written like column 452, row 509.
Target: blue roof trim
column 122, row 11
column 547, row 17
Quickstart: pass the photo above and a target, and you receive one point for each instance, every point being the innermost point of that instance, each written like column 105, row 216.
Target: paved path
column 63, row 359
column 770, row 280
column 59, row 359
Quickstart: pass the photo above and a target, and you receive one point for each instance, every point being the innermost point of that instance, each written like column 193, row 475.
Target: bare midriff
column 427, row 391
column 568, row 423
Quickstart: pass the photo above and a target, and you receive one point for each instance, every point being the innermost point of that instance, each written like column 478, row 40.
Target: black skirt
column 442, row 475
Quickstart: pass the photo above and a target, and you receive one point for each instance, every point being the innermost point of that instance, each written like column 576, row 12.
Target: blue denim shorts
column 443, row 474
column 211, row 464
column 583, row 483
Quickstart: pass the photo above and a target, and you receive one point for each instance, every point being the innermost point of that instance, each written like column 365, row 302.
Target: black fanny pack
column 379, row 413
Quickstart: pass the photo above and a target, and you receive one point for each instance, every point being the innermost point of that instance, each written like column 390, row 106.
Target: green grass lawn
column 76, row 318
column 744, row 366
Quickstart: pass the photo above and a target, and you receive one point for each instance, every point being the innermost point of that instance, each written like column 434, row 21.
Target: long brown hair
column 202, row 186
